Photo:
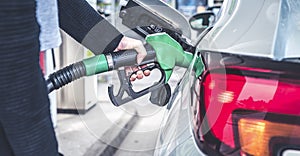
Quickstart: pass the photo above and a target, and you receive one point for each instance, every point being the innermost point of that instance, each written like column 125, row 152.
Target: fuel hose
column 95, row 65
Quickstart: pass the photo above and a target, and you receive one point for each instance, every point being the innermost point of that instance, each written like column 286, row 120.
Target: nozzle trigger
column 126, row 87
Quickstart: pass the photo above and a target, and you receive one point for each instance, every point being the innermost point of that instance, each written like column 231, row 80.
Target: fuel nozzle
column 163, row 53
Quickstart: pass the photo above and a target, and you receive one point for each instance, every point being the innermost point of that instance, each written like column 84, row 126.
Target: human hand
column 130, row 43
column 139, row 73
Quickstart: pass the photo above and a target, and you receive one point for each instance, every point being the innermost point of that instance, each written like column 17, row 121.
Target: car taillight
column 255, row 135
column 248, row 89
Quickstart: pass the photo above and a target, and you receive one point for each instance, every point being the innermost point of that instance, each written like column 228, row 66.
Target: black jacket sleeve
column 85, row 25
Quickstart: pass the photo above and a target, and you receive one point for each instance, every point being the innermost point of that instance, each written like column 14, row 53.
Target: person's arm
column 78, row 19
column 85, row 25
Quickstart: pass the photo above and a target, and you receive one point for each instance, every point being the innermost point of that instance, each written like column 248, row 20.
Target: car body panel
column 176, row 136
column 261, row 28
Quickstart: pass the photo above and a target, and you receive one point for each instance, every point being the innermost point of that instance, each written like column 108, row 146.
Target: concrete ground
column 108, row 130
column 92, row 133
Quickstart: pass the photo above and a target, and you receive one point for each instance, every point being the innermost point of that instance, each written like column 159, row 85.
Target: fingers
column 139, row 74
column 147, row 72
column 130, row 43
column 133, row 77
column 141, row 52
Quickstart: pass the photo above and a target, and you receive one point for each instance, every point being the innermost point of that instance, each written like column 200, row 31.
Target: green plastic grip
column 95, row 65
column 169, row 54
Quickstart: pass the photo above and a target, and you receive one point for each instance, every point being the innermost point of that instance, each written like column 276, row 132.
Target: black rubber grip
column 66, row 75
column 128, row 57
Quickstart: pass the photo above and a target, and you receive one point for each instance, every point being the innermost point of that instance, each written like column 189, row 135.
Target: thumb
column 130, row 43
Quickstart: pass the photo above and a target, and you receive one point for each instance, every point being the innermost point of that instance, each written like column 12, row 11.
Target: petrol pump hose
column 94, row 65
column 162, row 51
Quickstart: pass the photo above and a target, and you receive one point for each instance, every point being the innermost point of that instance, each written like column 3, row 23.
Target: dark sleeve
column 202, row 2
column 85, row 25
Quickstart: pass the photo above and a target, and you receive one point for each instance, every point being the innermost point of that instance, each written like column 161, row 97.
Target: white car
column 246, row 102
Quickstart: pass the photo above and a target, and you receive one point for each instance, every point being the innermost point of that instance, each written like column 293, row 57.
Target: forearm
column 85, row 25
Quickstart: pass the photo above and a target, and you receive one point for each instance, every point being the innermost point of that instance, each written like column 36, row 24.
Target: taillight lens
column 236, row 90
column 255, row 135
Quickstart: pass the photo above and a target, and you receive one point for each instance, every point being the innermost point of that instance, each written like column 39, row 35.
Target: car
column 246, row 101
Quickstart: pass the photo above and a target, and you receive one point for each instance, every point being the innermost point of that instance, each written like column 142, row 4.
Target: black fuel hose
column 66, row 75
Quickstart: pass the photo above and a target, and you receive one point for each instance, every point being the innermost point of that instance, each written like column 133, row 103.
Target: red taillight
column 224, row 93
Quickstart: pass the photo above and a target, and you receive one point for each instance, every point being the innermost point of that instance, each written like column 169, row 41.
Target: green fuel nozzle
column 163, row 53
column 169, row 53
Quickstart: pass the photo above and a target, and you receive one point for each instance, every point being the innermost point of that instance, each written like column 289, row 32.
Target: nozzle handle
column 128, row 57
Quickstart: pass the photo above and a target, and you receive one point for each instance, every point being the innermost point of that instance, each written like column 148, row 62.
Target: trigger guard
column 148, row 67
column 117, row 100
column 126, row 86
